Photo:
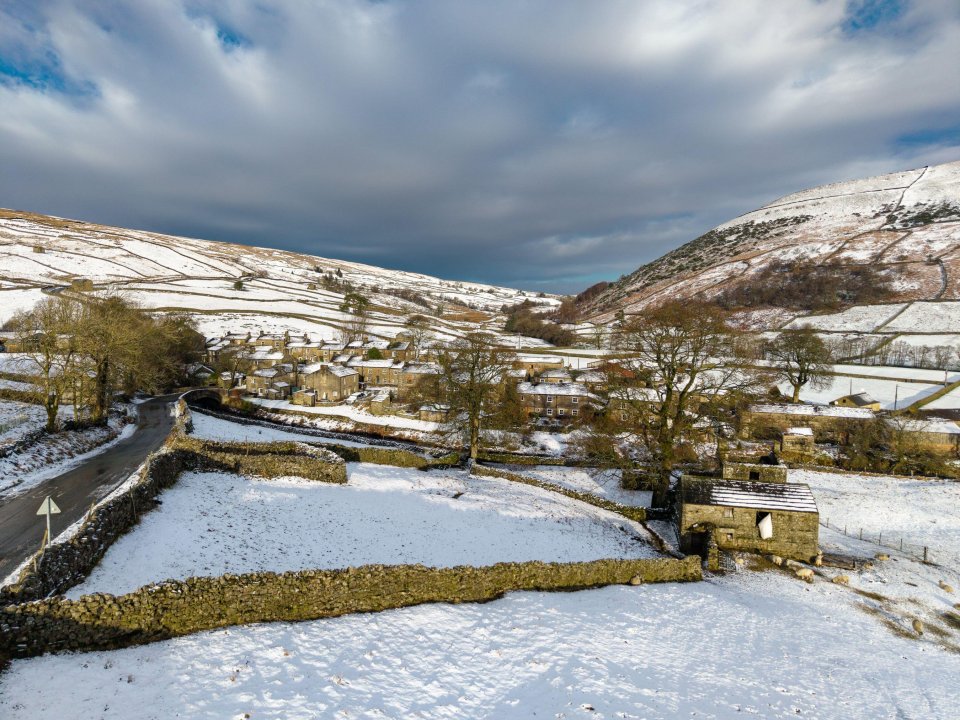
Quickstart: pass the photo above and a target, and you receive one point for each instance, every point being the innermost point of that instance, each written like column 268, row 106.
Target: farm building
column 857, row 400
column 797, row 444
column 755, row 472
column 934, row 434
column 828, row 422
column 761, row 517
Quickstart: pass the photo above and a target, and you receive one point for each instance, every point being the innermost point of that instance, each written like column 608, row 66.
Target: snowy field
column 748, row 645
column 18, row 419
column 927, row 317
column 602, row 483
column 214, row 523
column 861, row 318
column 207, row 427
column 923, row 512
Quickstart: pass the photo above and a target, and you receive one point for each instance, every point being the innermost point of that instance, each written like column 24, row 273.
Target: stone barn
column 755, row 472
column 760, row 517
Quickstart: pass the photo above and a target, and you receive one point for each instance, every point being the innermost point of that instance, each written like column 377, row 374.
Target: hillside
column 281, row 290
column 891, row 240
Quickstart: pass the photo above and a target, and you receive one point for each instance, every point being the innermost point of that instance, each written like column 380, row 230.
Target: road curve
column 21, row 530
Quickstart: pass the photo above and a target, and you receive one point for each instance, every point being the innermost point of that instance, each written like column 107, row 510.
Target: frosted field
column 927, row 317
column 215, row 523
column 861, row 318
column 602, row 483
column 747, row 645
column 212, row 428
column 923, row 512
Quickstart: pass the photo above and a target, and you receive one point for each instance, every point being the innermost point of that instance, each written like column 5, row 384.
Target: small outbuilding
column 857, row 400
column 761, row 517
column 755, row 472
column 797, row 444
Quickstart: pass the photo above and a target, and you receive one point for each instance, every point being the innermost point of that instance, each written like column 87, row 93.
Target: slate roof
column 791, row 497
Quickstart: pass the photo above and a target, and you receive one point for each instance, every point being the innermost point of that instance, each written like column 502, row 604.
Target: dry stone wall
column 171, row 609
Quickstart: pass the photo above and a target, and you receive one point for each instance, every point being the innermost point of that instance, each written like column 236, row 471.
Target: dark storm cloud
column 543, row 144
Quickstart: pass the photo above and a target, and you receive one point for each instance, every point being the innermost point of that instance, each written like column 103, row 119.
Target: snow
column 602, row 483
column 18, row 419
column 352, row 413
column 927, row 317
column 56, row 454
column 922, row 511
column 751, row 644
column 862, row 318
column 208, row 427
column 215, row 523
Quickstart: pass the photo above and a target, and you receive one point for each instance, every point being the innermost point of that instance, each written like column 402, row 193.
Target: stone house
column 555, row 375
column 536, row 364
column 272, row 340
column 857, row 400
column 378, row 372
column 755, row 472
column 398, row 350
column 331, row 383
column 558, row 401
column 761, row 517
column 434, row 413
column 410, row 375
column 305, row 351
column 264, row 356
column 596, row 380
column 828, row 422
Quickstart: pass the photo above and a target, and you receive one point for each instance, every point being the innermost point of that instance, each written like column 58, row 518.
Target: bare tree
column 358, row 307
column 471, row 383
column 417, row 326
column 47, row 334
column 801, row 358
column 683, row 363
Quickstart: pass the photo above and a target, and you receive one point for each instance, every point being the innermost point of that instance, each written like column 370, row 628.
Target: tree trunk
column 101, row 399
column 796, row 393
column 52, row 405
column 474, row 437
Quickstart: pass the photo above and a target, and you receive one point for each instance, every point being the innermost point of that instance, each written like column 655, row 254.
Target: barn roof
column 791, row 497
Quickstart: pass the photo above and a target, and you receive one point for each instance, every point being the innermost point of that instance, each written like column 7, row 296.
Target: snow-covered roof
column 267, row 355
column 434, row 407
column 281, row 384
column 636, row 394
column 555, row 373
column 591, row 376
column 266, row 372
column 813, row 410
column 799, row 431
column 793, row 497
column 336, row 370
column 421, row 369
column 526, row 388
column 382, row 363
column 925, row 425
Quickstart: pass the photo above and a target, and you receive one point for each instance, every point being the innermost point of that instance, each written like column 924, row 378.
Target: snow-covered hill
column 906, row 225
column 282, row 290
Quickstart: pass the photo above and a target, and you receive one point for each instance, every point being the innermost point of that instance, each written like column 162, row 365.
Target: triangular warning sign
column 48, row 506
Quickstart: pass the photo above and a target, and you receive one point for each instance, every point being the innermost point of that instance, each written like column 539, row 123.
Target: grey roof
column 792, row 497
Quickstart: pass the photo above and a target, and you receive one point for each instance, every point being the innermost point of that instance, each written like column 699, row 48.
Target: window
column 549, row 398
column 754, row 474
column 549, row 411
column 729, row 536
column 728, row 512
column 561, row 411
column 574, row 400
column 574, row 412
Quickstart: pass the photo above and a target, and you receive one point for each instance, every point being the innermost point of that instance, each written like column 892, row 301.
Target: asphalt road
column 21, row 529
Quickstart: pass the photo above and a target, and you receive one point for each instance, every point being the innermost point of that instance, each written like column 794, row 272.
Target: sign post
column 48, row 508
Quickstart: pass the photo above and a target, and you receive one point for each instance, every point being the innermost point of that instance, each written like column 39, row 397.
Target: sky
column 542, row 144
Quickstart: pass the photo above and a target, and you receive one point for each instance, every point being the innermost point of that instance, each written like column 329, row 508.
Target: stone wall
column 393, row 456
column 755, row 472
column 638, row 514
column 171, row 609
column 61, row 566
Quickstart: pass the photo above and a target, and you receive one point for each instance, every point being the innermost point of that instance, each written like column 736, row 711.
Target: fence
column 890, row 540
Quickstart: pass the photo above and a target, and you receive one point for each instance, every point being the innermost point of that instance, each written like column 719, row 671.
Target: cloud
column 546, row 144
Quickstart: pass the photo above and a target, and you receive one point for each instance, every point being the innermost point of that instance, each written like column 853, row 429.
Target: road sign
column 48, row 508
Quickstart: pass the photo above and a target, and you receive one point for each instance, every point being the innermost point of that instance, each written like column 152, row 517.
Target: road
column 21, row 530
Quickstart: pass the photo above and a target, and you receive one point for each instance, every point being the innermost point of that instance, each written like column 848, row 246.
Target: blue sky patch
column 866, row 15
